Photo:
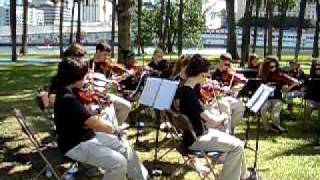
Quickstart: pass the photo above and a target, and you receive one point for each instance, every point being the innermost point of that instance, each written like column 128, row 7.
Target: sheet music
column 166, row 94
column 259, row 97
column 150, row 91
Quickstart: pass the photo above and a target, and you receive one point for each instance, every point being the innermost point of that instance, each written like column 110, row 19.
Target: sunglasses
column 227, row 64
column 317, row 69
column 271, row 67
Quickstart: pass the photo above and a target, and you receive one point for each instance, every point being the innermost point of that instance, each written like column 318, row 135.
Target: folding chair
column 31, row 136
column 182, row 123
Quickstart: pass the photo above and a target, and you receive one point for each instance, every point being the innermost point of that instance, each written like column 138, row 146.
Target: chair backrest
column 25, row 128
column 181, row 121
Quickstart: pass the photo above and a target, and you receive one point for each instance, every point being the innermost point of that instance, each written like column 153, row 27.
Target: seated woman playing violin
column 296, row 72
column 159, row 67
column 272, row 76
column 312, row 95
column 231, row 83
column 210, row 139
column 83, row 136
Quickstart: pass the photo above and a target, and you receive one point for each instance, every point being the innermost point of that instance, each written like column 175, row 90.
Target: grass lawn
column 281, row 157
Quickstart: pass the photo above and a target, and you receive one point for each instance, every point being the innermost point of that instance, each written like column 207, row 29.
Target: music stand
column 254, row 104
column 158, row 94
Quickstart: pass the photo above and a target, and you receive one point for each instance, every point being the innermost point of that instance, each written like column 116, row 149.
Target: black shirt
column 312, row 87
column 191, row 106
column 70, row 116
column 162, row 66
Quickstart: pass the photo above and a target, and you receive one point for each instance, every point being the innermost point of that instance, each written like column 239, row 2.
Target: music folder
column 158, row 93
column 259, row 97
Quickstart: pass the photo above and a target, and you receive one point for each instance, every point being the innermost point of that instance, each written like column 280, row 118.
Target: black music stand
column 158, row 94
column 254, row 104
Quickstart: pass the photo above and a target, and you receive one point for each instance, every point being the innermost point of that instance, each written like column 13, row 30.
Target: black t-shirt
column 70, row 116
column 191, row 106
column 277, row 93
column 312, row 86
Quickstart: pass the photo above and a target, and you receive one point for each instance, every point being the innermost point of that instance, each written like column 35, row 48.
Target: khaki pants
column 272, row 107
column 237, row 109
column 234, row 165
column 114, row 155
column 122, row 107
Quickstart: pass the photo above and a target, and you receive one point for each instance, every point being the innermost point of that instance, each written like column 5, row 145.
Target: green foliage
column 193, row 27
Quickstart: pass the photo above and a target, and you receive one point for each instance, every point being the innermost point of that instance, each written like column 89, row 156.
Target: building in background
column 310, row 13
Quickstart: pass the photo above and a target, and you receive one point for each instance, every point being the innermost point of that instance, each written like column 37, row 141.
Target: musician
column 159, row 66
column 312, row 95
column 85, row 137
column 75, row 51
column 178, row 70
column 253, row 62
column 236, row 106
column 210, row 139
column 121, row 105
column 296, row 72
column 133, row 71
column 272, row 76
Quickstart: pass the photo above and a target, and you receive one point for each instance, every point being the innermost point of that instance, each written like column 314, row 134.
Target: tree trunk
column 282, row 19
column 180, row 32
column 23, row 50
column 255, row 31
column 78, row 34
column 72, row 20
column 139, row 39
column 166, row 26
column 315, row 52
column 13, row 26
column 265, row 34
column 160, row 31
column 303, row 4
column 269, row 22
column 232, row 38
column 61, row 28
column 124, row 22
column 113, row 26
column 246, row 32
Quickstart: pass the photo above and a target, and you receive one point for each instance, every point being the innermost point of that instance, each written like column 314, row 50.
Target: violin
column 232, row 77
column 284, row 78
column 89, row 97
column 211, row 90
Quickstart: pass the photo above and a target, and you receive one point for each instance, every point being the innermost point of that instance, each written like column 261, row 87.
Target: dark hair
column 197, row 65
column 103, row 47
column 75, row 50
column 226, row 57
column 70, row 71
column 265, row 69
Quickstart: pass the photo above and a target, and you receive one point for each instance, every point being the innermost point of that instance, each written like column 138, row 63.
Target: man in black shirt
column 121, row 105
column 210, row 139
column 83, row 136
column 312, row 96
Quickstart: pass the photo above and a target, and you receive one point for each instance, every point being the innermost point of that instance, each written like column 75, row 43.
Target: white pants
column 122, row 107
column 225, row 110
column 237, row 109
column 114, row 155
column 272, row 107
column 234, row 165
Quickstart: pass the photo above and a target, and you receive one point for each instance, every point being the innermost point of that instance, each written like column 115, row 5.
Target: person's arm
column 97, row 125
column 287, row 88
column 212, row 119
